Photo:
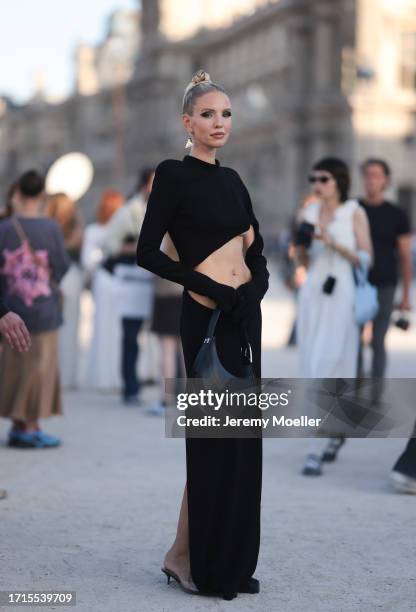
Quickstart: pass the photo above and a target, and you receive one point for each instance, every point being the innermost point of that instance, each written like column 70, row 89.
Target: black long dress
column 224, row 475
column 203, row 206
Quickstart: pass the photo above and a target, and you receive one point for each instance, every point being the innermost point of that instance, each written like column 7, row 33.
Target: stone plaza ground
column 97, row 514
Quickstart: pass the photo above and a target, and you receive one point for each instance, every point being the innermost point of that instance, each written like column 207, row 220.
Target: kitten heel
column 170, row 574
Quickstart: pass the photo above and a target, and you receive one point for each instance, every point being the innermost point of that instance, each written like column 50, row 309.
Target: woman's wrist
column 301, row 257
column 332, row 244
column 350, row 255
column 225, row 296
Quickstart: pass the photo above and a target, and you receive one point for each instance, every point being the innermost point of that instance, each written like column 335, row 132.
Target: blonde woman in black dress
column 206, row 209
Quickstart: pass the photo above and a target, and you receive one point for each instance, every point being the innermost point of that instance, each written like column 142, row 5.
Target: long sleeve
column 3, row 309
column 161, row 208
column 118, row 228
column 60, row 261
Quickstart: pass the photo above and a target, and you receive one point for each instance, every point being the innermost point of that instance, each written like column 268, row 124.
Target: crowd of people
column 47, row 258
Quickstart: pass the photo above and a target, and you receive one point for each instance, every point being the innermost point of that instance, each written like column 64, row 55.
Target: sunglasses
column 318, row 179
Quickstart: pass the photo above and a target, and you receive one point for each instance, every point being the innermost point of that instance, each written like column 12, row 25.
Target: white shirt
column 134, row 285
column 127, row 221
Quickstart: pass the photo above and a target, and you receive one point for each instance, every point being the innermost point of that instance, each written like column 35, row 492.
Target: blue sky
column 41, row 35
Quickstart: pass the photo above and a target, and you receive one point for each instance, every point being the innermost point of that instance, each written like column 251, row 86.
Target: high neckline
column 195, row 161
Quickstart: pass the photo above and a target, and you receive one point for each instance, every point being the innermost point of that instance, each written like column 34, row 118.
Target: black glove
column 226, row 297
column 245, row 307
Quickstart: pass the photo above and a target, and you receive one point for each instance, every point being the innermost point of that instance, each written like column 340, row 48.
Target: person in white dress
column 328, row 335
column 102, row 370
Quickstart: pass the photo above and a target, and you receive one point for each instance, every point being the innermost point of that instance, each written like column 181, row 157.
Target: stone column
column 325, row 47
column 150, row 22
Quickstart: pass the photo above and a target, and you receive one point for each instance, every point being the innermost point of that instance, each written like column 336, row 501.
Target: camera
column 304, row 234
column 402, row 323
column 329, row 284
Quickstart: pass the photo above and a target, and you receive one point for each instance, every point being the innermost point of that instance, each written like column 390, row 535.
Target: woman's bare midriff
column 226, row 265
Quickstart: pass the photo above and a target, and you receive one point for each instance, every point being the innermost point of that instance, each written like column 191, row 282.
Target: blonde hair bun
column 192, row 92
column 199, row 77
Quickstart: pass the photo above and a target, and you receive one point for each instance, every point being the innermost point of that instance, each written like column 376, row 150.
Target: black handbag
column 209, row 373
column 207, row 364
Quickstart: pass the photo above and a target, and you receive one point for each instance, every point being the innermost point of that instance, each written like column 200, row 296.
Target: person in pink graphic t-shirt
column 33, row 260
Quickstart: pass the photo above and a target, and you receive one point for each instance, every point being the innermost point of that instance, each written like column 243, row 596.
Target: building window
column 408, row 60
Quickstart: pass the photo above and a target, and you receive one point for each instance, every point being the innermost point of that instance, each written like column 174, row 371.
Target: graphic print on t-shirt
column 27, row 274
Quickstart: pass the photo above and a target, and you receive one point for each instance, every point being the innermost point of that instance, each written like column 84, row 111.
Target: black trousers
column 224, row 475
column 406, row 463
column 129, row 356
column 380, row 327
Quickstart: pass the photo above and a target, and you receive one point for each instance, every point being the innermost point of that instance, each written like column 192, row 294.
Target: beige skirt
column 29, row 382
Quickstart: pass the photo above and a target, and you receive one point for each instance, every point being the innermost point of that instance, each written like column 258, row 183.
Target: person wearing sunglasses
column 331, row 232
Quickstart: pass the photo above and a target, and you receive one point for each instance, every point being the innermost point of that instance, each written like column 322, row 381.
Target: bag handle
column 360, row 276
column 360, row 270
column 245, row 343
column 213, row 323
column 21, row 232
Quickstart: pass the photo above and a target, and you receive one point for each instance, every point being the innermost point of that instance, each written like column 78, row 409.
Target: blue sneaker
column 19, row 437
column 32, row 439
column 47, row 440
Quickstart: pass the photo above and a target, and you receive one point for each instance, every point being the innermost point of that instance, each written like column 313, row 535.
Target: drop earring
column 188, row 142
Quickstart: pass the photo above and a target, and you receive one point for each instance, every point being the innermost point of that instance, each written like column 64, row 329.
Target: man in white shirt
column 134, row 284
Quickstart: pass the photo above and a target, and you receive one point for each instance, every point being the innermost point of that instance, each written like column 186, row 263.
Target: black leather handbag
column 209, row 373
column 207, row 364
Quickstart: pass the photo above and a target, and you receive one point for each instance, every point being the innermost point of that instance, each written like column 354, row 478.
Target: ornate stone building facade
column 305, row 79
column 112, row 61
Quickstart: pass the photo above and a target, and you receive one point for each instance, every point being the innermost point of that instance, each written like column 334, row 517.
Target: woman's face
column 210, row 124
column 323, row 185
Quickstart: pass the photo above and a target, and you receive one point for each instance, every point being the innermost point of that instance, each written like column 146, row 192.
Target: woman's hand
column 301, row 256
column 225, row 296
column 339, row 248
column 326, row 238
column 15, row 331
column 248, row 302
column 405, row 303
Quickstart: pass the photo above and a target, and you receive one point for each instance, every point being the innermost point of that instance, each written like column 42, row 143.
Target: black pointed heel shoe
column 252, row 585
column 170, row 574
column 229, row 595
